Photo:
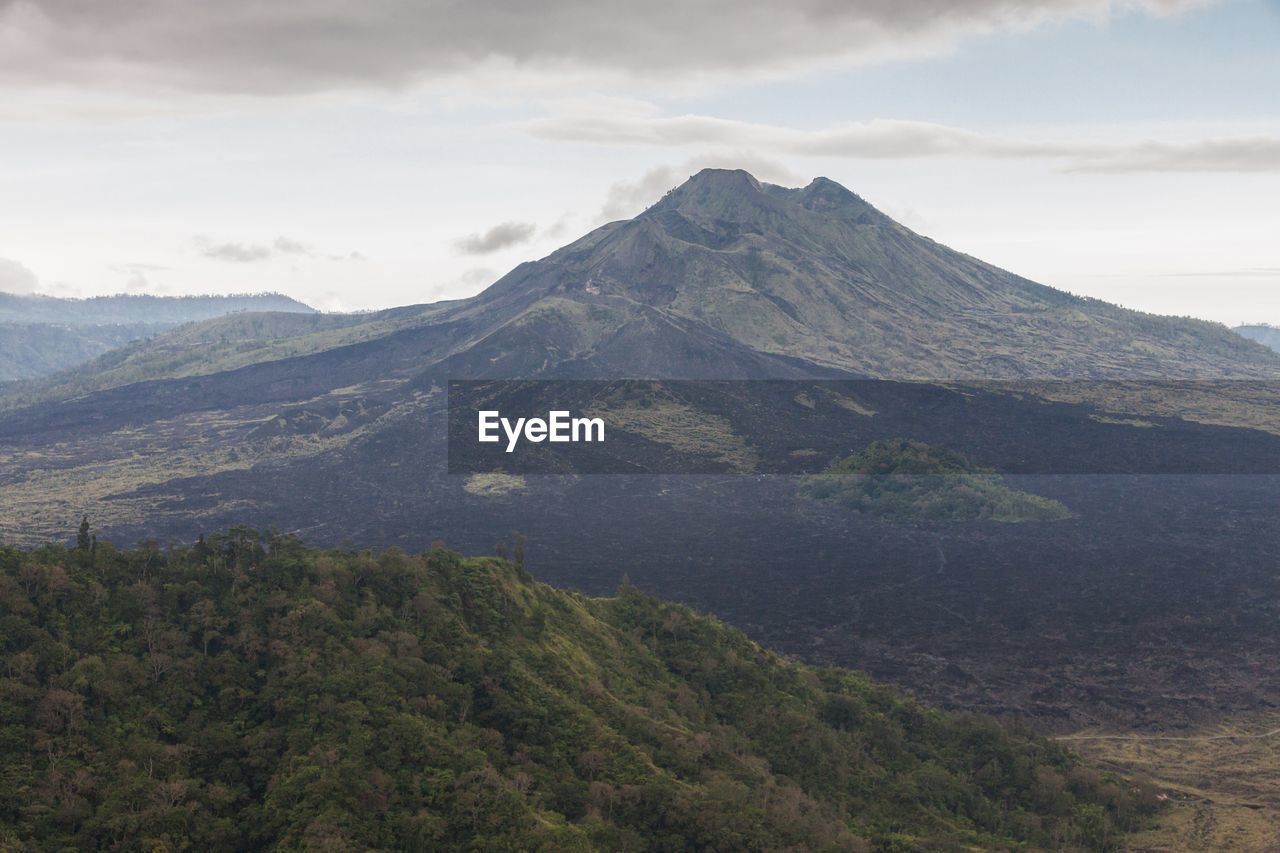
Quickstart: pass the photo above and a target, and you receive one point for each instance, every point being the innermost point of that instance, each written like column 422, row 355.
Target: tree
column 83, row 540
column 517, row 549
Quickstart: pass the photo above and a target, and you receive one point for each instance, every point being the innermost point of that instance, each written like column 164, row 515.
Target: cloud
column 137, row 278
column 309, row 46
column 627, row 198
column 248, row 253
column 285, row 246
column 898, row 139
column 138, row 283
column 15, row 278
column 477, row 275
column 1252, row 154
column 501, row 236
column 1246, row 272
column 238, row 253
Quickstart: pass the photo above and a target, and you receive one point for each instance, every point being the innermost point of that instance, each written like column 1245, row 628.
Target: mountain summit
column 817, row 274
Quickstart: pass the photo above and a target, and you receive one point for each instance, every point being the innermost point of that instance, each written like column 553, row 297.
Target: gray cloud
column 285, row 246
column 15, row 278
column 238, row 253
column 1253, row 154
column 477, row 275
column 137, row 278
column 305, row 46
column 501, row 236
column 895, row 139
column 247, row 253
column 1246, row 272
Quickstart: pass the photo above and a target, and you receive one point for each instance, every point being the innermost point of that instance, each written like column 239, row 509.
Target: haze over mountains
column 334, row 426
column 40, row 335
column 1268, row 336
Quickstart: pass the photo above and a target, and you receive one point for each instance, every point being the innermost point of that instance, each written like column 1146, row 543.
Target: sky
column 389, row 152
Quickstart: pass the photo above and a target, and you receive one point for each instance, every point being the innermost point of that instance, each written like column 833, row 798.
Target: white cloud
column 890, row 139
column 285, row 246
column 310, row 46
column 238, row 253
column 15, row 278
column 1248, row 154
column 138, row 279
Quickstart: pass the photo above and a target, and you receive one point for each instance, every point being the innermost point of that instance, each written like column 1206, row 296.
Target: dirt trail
column 1262, row 736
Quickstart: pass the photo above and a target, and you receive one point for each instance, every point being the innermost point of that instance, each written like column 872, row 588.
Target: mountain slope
column 250, row 693
column 29, row 350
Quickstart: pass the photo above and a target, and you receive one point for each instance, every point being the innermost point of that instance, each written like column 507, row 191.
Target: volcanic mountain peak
column 718, row 195
column 734, row 195
column 819, row 275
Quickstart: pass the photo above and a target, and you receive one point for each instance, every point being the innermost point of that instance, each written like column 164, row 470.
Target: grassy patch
column 1223, row 784
column 494, row 484
column 911, row 481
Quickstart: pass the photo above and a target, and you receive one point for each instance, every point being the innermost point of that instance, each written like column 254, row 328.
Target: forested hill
column 249, row 693
column 42, row 335
column 138, row 308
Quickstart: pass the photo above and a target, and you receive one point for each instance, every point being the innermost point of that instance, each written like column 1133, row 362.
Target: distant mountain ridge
column 138, row 308
column 40, row 335
column 1267, row 335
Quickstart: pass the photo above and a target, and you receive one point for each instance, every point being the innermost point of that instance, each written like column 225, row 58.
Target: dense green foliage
column 904, row 480
column 249, row 692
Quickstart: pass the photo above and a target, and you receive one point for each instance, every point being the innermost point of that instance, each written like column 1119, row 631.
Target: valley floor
column 1223, row 782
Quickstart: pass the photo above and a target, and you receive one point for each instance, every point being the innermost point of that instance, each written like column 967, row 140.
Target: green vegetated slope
column 250, row 692
column 43, row 335
column 220, row 344
column 906, row 480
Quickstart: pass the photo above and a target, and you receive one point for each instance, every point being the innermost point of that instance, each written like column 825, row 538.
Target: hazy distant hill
column 28, row 350
column 1268, row 336
column 40, row 335
column 125, row 308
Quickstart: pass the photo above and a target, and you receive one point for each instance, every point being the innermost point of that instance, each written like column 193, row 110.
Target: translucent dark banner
column 809, row 426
